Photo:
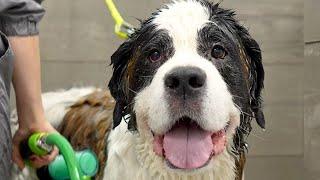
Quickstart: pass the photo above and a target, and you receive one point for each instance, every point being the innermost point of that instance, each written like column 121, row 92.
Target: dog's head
column 184, row 78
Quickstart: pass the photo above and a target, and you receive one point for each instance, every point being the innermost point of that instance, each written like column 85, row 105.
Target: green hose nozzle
column 37, row 144
column 75, row 166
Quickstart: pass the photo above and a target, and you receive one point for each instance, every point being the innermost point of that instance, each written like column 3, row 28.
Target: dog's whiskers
column 242, row 112
column 239, row 140
column 147, row 76
column 130, row 103
column 237, row 96
column 252, row 134
column 245, row 130
column 132, row 90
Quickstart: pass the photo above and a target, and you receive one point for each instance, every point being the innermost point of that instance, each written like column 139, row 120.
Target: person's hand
column 22, row 134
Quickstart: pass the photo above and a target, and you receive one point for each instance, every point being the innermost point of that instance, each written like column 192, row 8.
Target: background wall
column 312, row 89
column 77, row 40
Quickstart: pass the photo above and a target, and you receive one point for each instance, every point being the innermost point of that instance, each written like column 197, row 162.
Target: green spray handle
column 42, row 144
column 86, row 159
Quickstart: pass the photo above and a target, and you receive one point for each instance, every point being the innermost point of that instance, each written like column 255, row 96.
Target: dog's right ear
column 117, row 84
column 253, row 52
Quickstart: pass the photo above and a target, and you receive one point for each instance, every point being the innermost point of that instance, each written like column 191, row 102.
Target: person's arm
column 27, row 85
column 19, row 20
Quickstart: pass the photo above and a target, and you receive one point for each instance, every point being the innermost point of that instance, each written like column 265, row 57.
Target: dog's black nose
column 185, row 80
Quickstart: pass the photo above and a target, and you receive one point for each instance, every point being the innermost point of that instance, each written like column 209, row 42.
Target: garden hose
column 68, row 154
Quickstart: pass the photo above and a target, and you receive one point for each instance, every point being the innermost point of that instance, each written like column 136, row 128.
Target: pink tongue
column 187, row 146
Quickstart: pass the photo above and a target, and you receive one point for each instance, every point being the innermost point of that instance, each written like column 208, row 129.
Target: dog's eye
column 154, row 56
column 218, row 52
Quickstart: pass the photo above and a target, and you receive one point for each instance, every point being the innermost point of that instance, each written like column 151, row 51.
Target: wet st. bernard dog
column 184, row 89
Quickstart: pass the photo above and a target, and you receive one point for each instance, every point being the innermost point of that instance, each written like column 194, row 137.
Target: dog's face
column 184, row 77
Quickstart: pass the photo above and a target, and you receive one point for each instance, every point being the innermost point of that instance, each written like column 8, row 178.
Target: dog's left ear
column 253, row 53
column 117, row 84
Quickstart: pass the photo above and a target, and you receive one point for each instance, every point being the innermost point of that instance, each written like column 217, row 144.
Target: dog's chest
column 130, row 158
column 122, row 162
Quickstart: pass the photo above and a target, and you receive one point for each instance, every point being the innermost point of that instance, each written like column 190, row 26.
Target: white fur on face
column 183, row 20
column 217, row 104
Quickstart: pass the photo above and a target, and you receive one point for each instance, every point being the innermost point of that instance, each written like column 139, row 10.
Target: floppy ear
column 117, row 85
column 253, row 52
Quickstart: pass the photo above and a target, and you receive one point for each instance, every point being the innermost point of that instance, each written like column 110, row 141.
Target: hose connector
column 122, row 28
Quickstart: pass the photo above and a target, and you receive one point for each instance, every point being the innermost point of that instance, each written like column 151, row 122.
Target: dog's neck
column 131, row 156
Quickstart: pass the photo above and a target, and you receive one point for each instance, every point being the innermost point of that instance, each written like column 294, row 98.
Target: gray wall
column 312, row 89
column 77, row 40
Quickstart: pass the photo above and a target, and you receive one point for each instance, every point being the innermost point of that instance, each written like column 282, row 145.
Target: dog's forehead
column 183, row 20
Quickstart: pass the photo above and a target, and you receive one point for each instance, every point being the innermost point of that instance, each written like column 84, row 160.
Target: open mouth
column 187, row 146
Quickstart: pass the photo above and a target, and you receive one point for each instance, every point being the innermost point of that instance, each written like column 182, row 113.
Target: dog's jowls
column 185, row 85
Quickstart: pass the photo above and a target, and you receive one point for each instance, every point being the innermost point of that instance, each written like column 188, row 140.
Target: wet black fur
column 136, row 48
column 229, row 31
column 249, row 100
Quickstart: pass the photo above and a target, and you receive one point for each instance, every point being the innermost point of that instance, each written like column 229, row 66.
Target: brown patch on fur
column 88, row 123
column 245, row 63
column 129, row 73
column 240, row 163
